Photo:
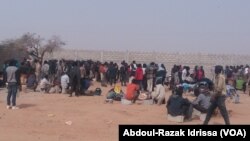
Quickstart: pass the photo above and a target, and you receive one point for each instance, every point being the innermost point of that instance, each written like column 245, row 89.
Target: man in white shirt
column 45, row 85
column 159, row 93
column 245, row 78
column 64, row 83
column 246, row 70
column 184, row 74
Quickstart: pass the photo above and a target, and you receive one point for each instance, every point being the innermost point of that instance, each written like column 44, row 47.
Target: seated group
column 133, row 93
column 179, row 106
column 59, row 85
column 176, row 104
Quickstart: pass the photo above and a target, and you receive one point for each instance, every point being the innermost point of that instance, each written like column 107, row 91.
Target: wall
column 169, row 59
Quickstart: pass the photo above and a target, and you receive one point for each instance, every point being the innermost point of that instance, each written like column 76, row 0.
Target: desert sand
column 57, row 117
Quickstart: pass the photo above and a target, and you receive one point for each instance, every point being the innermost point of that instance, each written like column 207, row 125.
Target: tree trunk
column 42, row 55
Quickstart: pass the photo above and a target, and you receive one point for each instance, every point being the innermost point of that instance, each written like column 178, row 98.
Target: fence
column 168, row 59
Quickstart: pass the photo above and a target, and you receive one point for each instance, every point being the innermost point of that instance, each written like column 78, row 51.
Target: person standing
column 139, row 76
column 65, row 83
column 44, row 69
column 37, row 70
column 219, row 96
column 75, row 77
column 150, row 75
column 13, row 79
column 123, row 74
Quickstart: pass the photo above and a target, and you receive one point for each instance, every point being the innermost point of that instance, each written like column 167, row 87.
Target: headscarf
column 117, row 89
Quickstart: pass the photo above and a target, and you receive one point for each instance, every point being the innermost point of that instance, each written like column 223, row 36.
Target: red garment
column 199, row 74
column 102, row 69
column 139, row 74
column 129, row 70
column 131, row 90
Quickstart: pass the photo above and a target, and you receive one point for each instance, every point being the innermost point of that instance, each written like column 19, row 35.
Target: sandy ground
column 42, row 117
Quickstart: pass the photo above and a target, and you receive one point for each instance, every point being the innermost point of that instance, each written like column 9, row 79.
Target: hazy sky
column 214, row 26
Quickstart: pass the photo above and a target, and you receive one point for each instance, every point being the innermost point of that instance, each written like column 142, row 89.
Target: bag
column 236, row 99
column 118, row 97
column 98, row 91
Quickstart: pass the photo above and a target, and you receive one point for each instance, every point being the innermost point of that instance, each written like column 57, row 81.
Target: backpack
column 236, row 99
column 98, row 91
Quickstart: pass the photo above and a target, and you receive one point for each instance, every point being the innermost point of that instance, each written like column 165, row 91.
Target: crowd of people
column 75, row 77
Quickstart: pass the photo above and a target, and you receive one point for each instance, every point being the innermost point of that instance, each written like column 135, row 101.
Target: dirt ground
column 43, row 117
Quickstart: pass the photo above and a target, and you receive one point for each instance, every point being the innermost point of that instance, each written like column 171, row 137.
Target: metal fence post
column 102, row 56
column 127, row 56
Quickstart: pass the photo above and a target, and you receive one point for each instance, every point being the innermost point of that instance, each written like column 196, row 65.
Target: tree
column 29, row 45
column 9, row 50
column 37, row 47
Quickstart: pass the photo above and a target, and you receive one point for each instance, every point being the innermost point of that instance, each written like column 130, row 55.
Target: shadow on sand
column 22, row 106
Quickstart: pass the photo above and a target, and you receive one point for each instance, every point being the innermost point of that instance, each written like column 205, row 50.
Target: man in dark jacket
column 75, row 77
column 179, row 106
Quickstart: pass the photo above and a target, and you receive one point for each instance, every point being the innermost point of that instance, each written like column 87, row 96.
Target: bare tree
column 10, row 49
column 29, row 45
column 37, row 47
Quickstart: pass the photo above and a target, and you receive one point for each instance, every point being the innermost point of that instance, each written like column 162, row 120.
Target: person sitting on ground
column 231, row 92
column 187, row 87
column 158, row 95
column 45, row 85
column 202, row 102
column 177, row 105
column 132, row 92
column 208, row 82
column 204, row 81
column 31, row 81
column 85, row 84
column 115, row 93
column 55, row 88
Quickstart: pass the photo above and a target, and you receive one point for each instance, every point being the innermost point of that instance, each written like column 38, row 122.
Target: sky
column 200, row 26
